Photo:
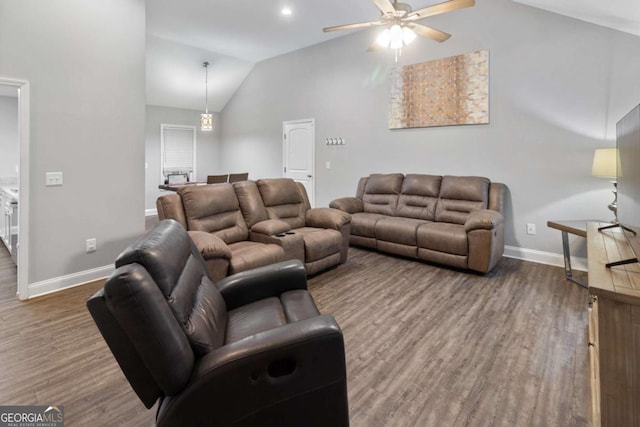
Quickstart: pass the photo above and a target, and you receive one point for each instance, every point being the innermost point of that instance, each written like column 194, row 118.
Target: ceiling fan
column 401, row 24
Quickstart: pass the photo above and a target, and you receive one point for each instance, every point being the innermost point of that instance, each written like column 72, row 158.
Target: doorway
column 298, row 153
column 17, row 184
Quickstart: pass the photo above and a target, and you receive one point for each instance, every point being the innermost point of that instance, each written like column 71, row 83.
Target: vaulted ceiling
column 235, row 34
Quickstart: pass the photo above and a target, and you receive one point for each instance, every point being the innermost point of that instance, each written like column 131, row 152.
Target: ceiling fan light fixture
column 408, row 35
column 396, row 37
column 384, row 38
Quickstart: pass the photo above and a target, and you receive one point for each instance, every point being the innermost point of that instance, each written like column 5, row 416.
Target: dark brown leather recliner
column 251, row 350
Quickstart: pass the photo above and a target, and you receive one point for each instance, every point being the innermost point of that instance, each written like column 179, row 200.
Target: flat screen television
column 628, row 171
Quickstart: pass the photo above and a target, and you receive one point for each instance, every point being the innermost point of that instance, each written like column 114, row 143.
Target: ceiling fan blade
column 385, row 6
column 437, row 9
column 352, row 26
column 430, row 33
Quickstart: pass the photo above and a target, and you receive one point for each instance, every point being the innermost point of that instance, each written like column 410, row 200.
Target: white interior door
column 298, row 153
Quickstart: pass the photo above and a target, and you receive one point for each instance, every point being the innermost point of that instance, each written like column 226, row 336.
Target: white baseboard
column 83, row 277
column 69, row 281
column 150, row 212
column 542, row 257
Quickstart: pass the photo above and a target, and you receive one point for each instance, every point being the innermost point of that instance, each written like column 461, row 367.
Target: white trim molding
column 23, row 206
column 542, row 257
column 48, row 286
column 150, row 212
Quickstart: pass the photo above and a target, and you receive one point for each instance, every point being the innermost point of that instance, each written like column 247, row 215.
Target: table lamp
column 605, row 165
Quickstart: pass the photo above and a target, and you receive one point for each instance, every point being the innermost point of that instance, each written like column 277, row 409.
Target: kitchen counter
column 177, row 186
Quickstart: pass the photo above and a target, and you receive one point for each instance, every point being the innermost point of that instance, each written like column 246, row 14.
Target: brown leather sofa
column 451, row 220
column 251, row 350
column 250, row 224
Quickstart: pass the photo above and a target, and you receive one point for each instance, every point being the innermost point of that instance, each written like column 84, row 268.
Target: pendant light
column 206, row 118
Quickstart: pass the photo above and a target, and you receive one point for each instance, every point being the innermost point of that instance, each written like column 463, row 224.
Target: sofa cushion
column 398, row 230
column 319, row 242
column 419, row 196
column 168, row 254
column 250, row 202
column 214, row 209
column 459, row 196
column 443, row 237
column 246, row 255
column 381, row 193
column 364, row 224
column 253, row 318
column 283, row 201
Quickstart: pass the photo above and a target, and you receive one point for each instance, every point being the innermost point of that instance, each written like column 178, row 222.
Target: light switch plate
column 53, row 179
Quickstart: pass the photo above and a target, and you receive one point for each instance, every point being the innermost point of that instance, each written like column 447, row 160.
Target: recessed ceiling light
column 286, row 11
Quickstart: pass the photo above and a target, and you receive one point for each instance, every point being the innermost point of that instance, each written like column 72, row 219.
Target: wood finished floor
column 426, row 346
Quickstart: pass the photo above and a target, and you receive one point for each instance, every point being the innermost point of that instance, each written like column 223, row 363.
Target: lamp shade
column 605, row 163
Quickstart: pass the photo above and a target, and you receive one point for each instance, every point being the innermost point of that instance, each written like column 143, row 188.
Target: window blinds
column 178, row 149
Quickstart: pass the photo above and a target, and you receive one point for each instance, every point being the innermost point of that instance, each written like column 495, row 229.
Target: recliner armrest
column 210, row 246
column 485, row 219
column 326, row 218
column 283, row 363
column 269, row 281
column 348, row 204
column 269, row 227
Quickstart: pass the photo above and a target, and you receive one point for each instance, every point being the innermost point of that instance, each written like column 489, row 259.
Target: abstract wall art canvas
column 442, row 92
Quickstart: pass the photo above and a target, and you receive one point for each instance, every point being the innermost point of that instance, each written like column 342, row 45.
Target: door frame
column 23, row 204
column 312, row 196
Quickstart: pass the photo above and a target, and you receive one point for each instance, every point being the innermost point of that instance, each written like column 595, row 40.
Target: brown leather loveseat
column 250, row 224
column 451, row 220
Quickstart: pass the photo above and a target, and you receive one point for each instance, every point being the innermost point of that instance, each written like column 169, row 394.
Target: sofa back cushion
column 173, row 262
column 459, row 196
column 159, row 312
column 419, row 196
column 381, row 193
column 282, row 200
column 214, row 209
column 250, row 202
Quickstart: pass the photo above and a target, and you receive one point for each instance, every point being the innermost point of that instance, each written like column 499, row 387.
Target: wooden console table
column 614, row 329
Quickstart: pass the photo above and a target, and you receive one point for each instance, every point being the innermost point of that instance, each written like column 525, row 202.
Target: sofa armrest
column 259, row 283
column 210, row 246
column 283, row 363
column 327, row 218
column 485, row 219
column 348, row 204
column 270, row 227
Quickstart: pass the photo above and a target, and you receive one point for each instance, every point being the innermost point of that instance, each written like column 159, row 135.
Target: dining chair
column 217, row 179
column 235, row 177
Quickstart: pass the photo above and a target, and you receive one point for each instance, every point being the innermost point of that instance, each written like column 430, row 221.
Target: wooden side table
column 578, row 228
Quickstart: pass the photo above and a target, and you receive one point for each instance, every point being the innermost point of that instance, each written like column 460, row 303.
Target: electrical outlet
column 531, row 229
column 328, row 165
column 91, row 245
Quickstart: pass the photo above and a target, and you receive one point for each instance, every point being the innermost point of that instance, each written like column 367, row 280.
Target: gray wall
column 558, row 85
column 9, row 143
column 85, row 63
column 207, row 146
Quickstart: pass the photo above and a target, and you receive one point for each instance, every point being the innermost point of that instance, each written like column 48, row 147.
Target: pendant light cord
column 206, row 87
